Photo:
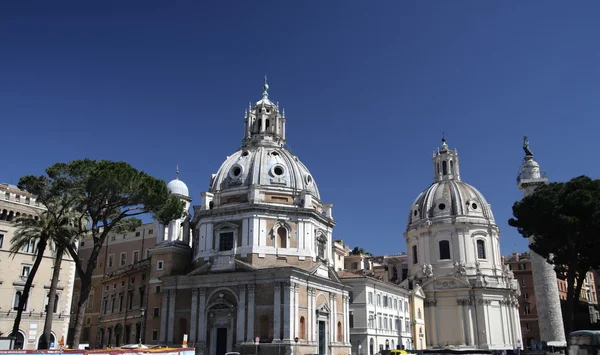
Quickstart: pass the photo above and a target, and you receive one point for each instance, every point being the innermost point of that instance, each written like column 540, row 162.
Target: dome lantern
column 445, row 164
column 263, row 123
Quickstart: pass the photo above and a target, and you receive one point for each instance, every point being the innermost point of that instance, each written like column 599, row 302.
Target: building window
column 105, row 305
column 112, row 304
column 90, row 301
column 523, row 282
column 340, row 334
column 302, row 328
column 29, row 247
column 419, row 313
column 7, row 196
column 154, row 334
column 351, row 319
column 378, row 299
column 147, row 253
column 527, row 310
column 110, row 260
column 371, row 320
column 17, row 198
column 1, row 240
column 150, row 231
column 137, row 234
column 55, row 307
column 370, row 297
column 225, row 241
column 156, row 312
column 159, row 265
column 522, row 267
column 415, row 256
column 444, row 246
column 157, row 289
column 25, row 270
column 480, row 249
column 321, row 242
column 282, row 237
column 16, row 301
column 385, row 301
column 123, row 259
column 27, row 200
column 525, row 295
column 136, row 256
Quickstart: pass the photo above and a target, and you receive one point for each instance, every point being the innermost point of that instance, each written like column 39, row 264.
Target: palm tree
column 52, row 226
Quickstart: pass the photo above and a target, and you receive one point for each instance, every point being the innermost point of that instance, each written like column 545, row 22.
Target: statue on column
column 528, row 152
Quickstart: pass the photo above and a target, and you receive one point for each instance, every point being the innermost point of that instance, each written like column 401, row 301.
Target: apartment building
column 123, row 306
column 15, row 268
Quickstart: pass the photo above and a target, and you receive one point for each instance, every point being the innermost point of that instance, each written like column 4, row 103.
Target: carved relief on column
column 241, row 316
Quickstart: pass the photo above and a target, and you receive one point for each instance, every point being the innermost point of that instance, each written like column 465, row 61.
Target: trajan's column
column 544, row 277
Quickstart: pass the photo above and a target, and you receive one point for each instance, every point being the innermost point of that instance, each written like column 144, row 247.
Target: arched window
column 302, row 328
column 444, row 168
column 16, row 300
column 340, row 335
column 282, row 237
column 419, row 313
column 444, row 250
column 480, row 249
column 415, row 255
column 264, row 328
column 451, row 167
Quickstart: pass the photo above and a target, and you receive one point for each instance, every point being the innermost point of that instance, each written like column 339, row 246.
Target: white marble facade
column 454, row 253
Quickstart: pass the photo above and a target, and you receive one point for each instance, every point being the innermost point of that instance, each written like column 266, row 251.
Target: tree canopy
column 109, row 196
column 563, row 222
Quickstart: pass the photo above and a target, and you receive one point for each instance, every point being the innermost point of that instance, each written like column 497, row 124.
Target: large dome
column 450, row 198
column 265, row 166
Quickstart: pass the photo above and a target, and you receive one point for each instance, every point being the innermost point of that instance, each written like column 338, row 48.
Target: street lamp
column 142, row 326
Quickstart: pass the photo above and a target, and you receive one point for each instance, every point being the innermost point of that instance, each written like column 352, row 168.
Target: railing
column 542, row 176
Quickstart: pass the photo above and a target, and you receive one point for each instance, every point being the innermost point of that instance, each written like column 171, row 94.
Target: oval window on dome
column 245, row 153
column 275, row 154
column 416, row 213
column 308, row 179
column 236, row 171
column 442, row 206
column 278, row 170
column 474, row 206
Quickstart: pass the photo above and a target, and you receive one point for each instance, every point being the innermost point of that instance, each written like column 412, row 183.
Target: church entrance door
column 322, row 338
column 221, row 341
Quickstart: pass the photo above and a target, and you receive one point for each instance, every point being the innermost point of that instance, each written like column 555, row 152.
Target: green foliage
column 563, row 220
column 359, row 251
column 107, row 196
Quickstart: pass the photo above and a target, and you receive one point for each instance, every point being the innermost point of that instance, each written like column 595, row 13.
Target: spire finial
column 177, row 170
column 265, row 88
column 443, row 137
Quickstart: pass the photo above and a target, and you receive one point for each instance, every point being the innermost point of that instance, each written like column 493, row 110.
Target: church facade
column 454, row 254
column 262, row 274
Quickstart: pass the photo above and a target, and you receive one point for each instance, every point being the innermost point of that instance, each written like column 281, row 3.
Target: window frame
column 481, row 242
column 449, row 250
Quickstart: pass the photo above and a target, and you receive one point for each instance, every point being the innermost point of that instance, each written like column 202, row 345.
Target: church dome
column 263, row 160
column 178, row 187
column 265, row 166
column 448, row 196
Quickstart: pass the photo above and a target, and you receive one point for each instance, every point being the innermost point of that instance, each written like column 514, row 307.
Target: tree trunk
column 45, row 339
column 41, row 247
column 86, row 286
column 571, row 297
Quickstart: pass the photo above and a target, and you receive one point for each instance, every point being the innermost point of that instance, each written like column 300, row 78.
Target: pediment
column 445, row 283
column 225, row 225
column 418, row 291
column 324, row 309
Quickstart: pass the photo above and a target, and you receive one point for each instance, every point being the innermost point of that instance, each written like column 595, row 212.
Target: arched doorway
column 221, row 321
column 19, row 340
column 51, row 342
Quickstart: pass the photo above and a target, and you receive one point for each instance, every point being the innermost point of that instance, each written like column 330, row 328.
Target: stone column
column 288, row 310
column 202, row 316
column 311, row 313
column 462, row 321
column 194, row 316
column 276, row 311
column 241, row 316
column 171, row 321
column 163, row 318
column 470, row 316
column 346, row 319
column 250, row 332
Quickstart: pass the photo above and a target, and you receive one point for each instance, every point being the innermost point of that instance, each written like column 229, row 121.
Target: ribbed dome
column 178, row 187
column 265, row 166
column 450, row 198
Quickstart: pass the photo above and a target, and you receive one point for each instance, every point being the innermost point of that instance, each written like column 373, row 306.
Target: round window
column 441, row 206
column 278, row 170
column 236, row 171
column 416, row 213
column 474, row 206
column 309, row 179
column 245, row 153
column 274, row 154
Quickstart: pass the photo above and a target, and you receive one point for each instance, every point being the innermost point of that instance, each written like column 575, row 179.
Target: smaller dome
column 178, row 187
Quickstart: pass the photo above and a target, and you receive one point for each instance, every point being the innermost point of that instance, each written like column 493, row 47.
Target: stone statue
column 428, row 270
column 460, row 268
column 528, row 152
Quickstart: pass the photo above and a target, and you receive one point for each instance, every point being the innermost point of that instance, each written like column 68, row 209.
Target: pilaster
column 277, row 311
column 163, row 319
column 194, row 316
column 288, row 310
column 171, row 328
column 311, row 314
column 250, row 332
column 241, row 317
column 202, row 313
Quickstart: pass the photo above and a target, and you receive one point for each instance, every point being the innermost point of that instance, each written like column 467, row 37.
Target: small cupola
column 445, row 163
column 263, row 123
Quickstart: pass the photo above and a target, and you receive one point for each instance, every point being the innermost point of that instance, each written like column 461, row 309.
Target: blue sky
column 368, row 89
